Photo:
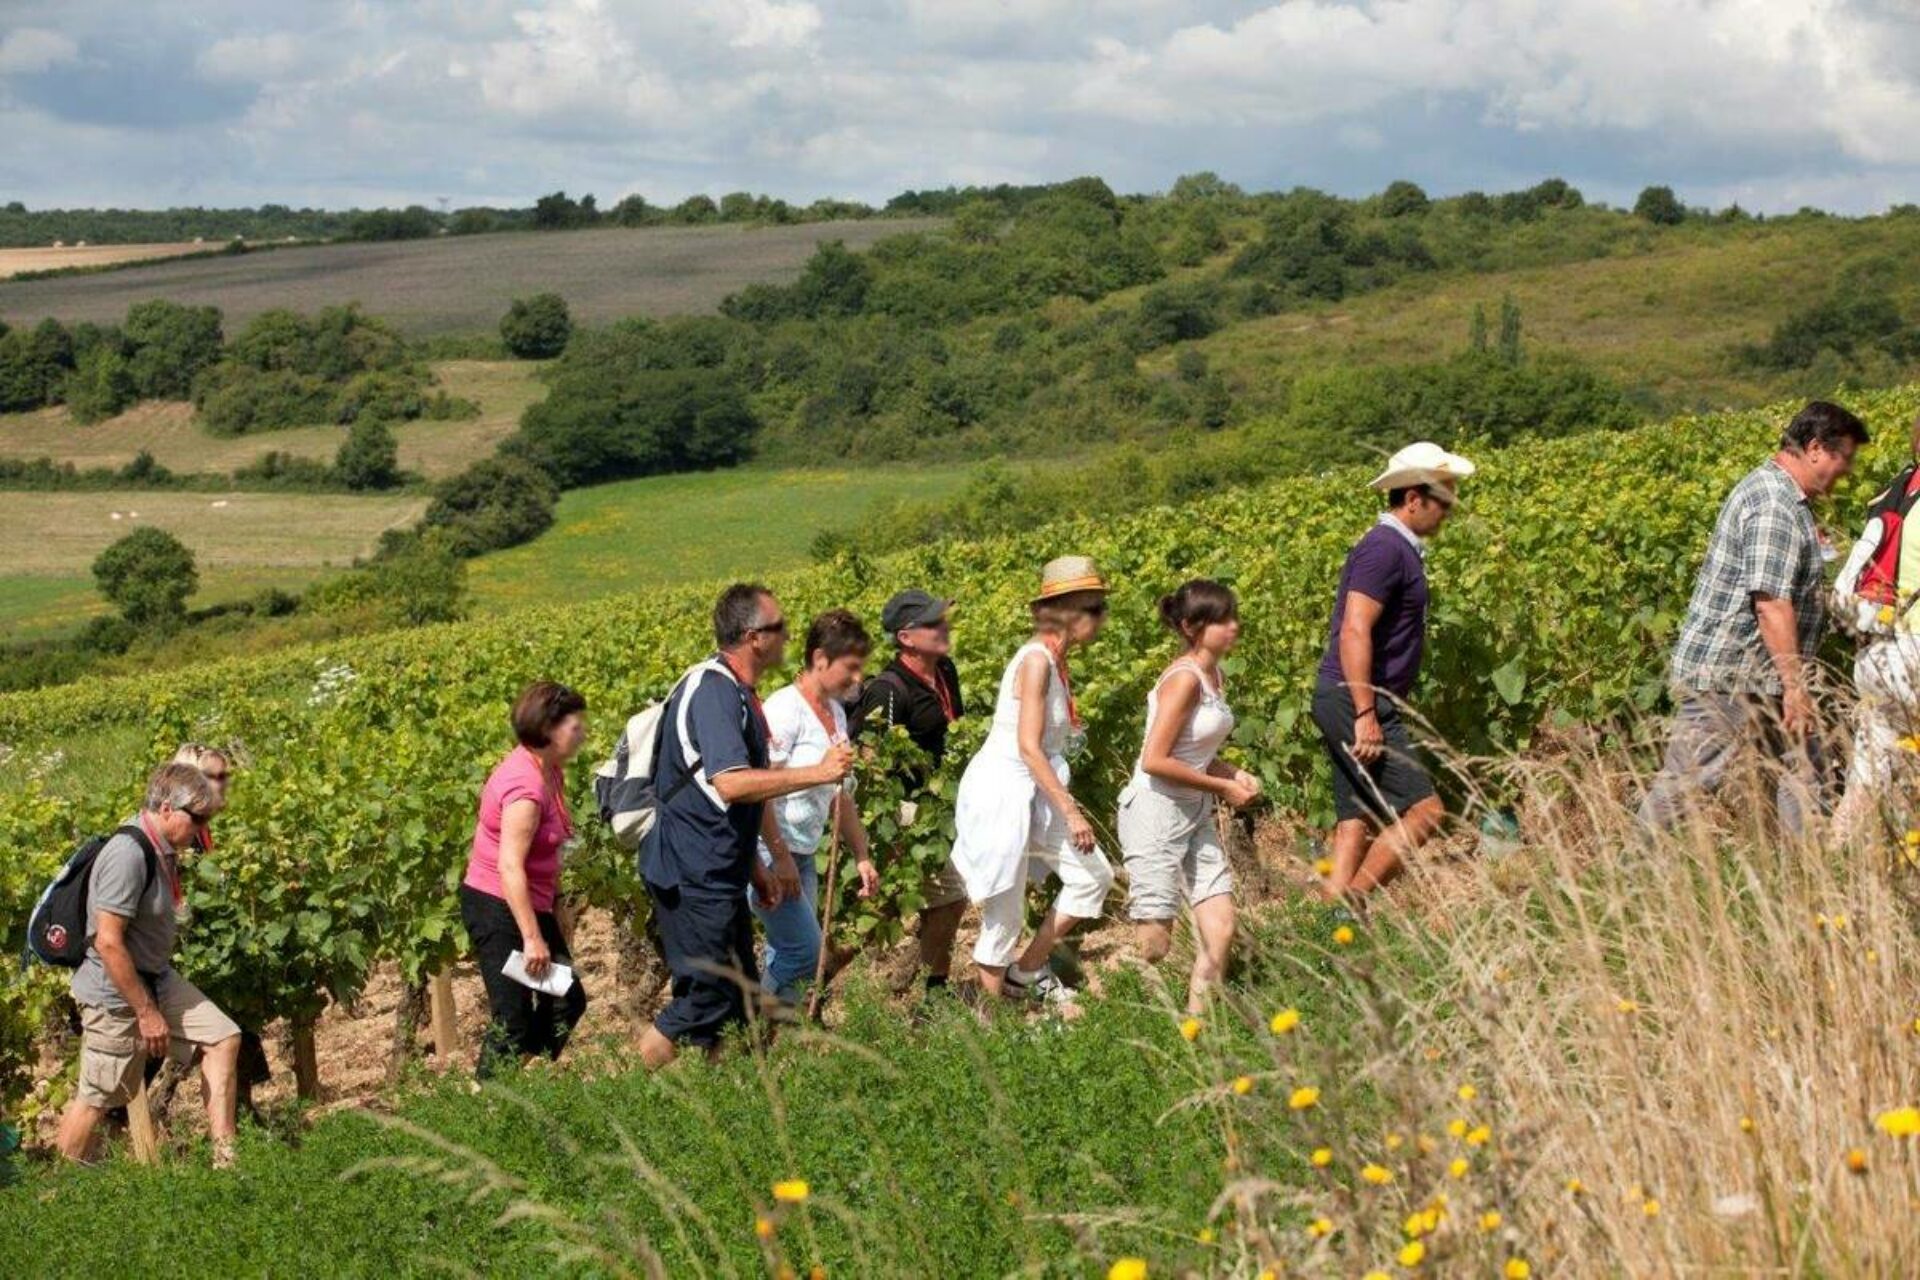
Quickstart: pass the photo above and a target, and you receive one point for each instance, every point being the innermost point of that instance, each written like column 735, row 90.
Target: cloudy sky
column 1773, row 103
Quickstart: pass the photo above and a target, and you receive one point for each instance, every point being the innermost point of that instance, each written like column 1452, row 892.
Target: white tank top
column 1207, row 728
column 1004, row 738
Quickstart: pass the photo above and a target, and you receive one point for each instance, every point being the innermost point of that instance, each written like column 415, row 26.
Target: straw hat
column 1422, row 463
column 1069, row 574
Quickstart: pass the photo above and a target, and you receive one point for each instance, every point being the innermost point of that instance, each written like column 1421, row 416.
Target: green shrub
column 537, row 328
column 1859, row 319
column 496, row 502
column 1660, row 206
column 370, row 456
column 148, row 576
column 171, row 344
column 610, row 424
column 100, row 385
column 387, row 394
column 237, row 400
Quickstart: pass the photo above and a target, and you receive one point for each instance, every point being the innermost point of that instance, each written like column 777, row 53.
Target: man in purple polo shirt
column 1382, row 795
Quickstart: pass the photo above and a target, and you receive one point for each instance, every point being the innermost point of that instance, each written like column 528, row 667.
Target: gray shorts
column 1172, row 853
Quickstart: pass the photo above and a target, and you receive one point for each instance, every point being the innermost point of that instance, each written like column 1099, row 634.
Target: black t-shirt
column 698, row 840
column 898, row 696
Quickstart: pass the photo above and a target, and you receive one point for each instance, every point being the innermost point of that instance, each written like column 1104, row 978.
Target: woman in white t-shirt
column 804, row 720
column 1173, row 854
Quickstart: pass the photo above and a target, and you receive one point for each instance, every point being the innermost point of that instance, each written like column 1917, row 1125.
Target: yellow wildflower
column 1517, row 1269
column 1626, row 1006
column 763, row 1227
column 1190, row 1030
column 1323, row 867
column 1913, row 839
column 1839, row 920
column 1303, row 1097
column 1284, row 1021
column 1343, row 935
column 1910, row 743
column 816, row 1272
column 1322, row 1157
column 1456, row 1128
column 1746, row 1124
column 792, row 1191
column 1650, row 1207
column 1856, row 1160
column 1575, row 1186
column 1467, row 1093
column 1128, row 1269
column 1478, row 1137
column 1885, row 615
column 1377, row 1175
column 1320, row 1227
column 1205, row 1235
column 1901, row 1122
column 1458, row 1168
column 1243, row 1085
column 1490, row 1220
column 1412, row 1254
column 1395, row 1142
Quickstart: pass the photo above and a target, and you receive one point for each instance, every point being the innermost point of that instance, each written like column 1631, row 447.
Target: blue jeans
column 793, row 934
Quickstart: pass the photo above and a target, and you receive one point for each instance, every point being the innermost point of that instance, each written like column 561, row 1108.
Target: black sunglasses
column 778, row 626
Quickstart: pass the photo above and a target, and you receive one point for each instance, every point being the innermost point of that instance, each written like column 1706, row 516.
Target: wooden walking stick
column 819, row 991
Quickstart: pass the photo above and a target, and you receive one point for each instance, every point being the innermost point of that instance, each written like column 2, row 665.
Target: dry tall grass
column 1605, row 1054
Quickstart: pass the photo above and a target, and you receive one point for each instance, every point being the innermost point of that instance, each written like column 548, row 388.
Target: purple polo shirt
column 1385, row 565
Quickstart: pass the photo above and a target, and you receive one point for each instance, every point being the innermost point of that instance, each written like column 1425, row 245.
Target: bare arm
column 1179, row 694
column 518, row 822
column 110, row 941
column 1780, row 633
column 1031, row 687
column 754, row 786
column 1356, row 666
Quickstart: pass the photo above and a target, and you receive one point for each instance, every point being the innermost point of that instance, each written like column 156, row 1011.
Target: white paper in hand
column 558, row 982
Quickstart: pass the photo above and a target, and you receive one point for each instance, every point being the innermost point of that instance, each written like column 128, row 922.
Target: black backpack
column 57, row 929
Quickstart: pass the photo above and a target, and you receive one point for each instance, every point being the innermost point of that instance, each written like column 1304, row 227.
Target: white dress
column 1001, row 817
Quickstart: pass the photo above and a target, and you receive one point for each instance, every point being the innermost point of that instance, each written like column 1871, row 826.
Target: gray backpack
column 623, row 787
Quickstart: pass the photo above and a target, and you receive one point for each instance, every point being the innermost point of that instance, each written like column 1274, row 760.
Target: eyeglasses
column 1098, row 609
column 777, row 627
column 197, row 816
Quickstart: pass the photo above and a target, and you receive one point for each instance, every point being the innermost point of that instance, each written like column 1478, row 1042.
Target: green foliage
column 1857, row 321
column 171, row 344
column 1402, row 199
column 415, row 222
column 496, row 502
column 612, row 423
column 1660, row 206
column 286, row 370
column 100, row 386
column 34, row 364
column 370, row 456
column 420, row 581
column 537, row 328
column 1180, row 312
column 148, row 576
column 558, row 212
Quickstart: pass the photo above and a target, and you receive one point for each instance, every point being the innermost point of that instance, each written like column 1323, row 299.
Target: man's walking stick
column 819, row 992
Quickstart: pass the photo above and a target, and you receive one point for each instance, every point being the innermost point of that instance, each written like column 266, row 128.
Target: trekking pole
column 819, row 991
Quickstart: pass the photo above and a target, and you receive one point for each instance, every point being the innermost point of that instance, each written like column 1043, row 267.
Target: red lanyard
column 1060, row 669
column 820, row 713
column 939, row 688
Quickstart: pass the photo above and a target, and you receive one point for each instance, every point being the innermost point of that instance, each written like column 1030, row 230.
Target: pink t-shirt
column 520, row 777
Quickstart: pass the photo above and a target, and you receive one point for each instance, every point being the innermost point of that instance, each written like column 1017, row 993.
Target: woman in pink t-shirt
column 513, row 876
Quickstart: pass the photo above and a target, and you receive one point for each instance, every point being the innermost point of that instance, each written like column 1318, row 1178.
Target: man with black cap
column 920, row 691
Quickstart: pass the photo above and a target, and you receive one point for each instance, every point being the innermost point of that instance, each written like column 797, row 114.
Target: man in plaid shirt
column 1752, row 629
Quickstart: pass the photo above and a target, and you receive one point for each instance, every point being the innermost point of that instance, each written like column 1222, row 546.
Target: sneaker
column 1044, row 987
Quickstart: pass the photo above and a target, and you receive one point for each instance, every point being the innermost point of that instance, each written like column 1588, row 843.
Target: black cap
column 912, row 608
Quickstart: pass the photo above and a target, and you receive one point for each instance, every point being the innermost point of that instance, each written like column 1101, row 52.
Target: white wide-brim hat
column 1068, row 574
column 1422, row 464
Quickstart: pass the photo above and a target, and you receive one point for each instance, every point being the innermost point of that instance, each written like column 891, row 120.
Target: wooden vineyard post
column 306, row 1063
column 146, row 1140
column 446, row 1032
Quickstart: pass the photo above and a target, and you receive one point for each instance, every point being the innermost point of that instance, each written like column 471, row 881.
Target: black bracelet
column 1360, row 715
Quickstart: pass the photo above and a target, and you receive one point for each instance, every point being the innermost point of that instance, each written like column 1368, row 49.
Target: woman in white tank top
column 1014, row 816
column 1173, row 854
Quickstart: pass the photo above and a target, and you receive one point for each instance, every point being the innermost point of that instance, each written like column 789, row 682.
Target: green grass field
column 167, row 429
column 1665, row 321
column 708, row 525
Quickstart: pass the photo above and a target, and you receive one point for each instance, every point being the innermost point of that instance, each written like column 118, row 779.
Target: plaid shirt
column 1763, row 541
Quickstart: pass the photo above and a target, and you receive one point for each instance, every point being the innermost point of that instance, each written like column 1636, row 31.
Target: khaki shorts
column 943, row 888
column 1172, row 853
column 111, row 1059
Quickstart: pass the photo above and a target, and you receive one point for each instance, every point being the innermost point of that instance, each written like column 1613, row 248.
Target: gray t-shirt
column 119, row 884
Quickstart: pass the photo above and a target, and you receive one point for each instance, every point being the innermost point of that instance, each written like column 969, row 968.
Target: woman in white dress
column 1173, row 854
column 1014, row 816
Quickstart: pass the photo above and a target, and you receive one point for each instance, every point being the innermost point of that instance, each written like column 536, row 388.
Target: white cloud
column 493, row 99
column 30, row 49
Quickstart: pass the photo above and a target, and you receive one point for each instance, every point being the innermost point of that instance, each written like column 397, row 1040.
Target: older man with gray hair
column 133, row 1004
